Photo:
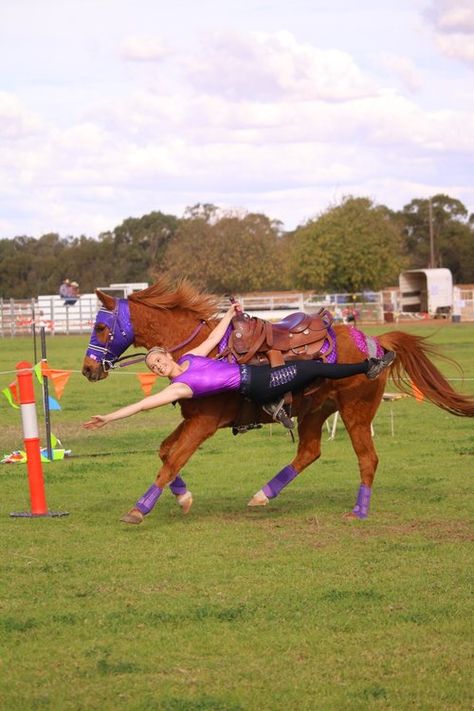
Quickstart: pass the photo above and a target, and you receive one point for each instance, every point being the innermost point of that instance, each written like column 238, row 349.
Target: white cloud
column 143, row 49
column 403, row 68
column 261, row 66
column 453, row 15
column 15, row 120
column 457, row 46
column 245, row 153
column 259, row 120
column 454, row 24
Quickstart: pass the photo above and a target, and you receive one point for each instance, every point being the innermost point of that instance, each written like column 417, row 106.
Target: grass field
column 230, row 608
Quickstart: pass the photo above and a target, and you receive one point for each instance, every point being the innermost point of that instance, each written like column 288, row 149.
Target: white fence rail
column 19, row 316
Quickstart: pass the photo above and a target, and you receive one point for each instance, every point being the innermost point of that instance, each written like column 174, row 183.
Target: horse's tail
column 413, row 367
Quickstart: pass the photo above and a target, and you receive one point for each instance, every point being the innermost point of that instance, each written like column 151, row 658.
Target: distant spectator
column 67, row 291
column 75, row 290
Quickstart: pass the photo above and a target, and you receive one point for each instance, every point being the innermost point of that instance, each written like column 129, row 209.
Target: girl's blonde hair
column 155, row 349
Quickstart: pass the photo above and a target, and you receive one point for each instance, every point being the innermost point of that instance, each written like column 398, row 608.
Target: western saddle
column 255, row 341
column 298, row 336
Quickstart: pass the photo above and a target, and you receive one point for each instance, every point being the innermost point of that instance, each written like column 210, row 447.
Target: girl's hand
column 234, row 309
column 95, row 422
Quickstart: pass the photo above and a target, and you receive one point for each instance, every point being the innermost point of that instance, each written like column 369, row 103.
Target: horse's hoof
column 259, row 499
column 351, row 516
column 185, row 501
column 132, row 516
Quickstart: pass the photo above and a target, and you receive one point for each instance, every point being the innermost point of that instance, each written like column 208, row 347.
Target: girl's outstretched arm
column 173, row 392
column 217, row 333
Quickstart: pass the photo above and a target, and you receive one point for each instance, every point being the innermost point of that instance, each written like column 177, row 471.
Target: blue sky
column 114, row 108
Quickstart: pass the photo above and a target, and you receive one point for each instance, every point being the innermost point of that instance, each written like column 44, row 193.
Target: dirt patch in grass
column 446, row 531
column 321, row 533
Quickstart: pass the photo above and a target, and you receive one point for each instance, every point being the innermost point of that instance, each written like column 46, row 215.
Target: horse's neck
column 167, row 328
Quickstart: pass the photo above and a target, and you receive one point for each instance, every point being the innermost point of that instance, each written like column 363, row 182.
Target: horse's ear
column 107, row 300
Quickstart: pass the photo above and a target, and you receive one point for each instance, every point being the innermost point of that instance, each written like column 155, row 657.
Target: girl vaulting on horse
column 195, row 375
column 176, row 317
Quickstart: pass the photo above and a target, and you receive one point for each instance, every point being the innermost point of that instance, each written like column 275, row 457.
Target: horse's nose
column 92, row 370
column 87, row 372
column 90, row 373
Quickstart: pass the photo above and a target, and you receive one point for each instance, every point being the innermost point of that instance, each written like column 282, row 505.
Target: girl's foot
column 378, row 365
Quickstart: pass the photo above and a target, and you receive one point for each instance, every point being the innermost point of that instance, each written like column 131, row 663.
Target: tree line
column 352, row 246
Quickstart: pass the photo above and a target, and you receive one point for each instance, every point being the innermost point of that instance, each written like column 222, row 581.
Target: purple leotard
column 206, row 376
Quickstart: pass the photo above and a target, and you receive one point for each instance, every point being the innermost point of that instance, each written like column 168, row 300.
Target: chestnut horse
column 181, row 318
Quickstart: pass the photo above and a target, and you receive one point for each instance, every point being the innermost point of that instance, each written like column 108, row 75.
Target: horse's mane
column 163, row 295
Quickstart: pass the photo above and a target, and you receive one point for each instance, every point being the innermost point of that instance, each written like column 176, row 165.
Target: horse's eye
column 100, row 327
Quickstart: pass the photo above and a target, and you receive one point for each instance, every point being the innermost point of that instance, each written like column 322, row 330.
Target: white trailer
column 427, row 291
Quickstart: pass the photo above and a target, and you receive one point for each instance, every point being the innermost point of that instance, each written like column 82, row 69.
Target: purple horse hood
column 121, row 333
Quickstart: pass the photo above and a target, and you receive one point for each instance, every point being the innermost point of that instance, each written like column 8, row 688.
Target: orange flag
column 59, row 378
column 417, row 394
column 11, row 394
column 147, row 381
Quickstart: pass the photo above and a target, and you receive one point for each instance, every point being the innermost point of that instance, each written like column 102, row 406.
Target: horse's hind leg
column 309, row 450
column 358, row 426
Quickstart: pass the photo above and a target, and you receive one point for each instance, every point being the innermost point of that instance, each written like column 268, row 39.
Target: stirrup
column 277, row 411
column 242, row 429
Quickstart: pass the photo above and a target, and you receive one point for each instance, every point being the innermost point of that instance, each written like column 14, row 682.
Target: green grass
column 227, row 609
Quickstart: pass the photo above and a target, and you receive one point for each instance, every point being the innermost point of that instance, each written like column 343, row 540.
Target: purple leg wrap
column 361, row 509
column 178, row 486
column 149, row 499
column 275, row 485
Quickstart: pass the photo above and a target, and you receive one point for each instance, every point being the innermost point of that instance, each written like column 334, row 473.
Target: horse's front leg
column 309, row 450
column 178, row 486
column 190, row 434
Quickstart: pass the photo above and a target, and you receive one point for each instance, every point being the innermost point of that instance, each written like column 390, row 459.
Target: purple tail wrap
column 178, row 486
column 275, row 485
column 149, row 499
column 361, row 509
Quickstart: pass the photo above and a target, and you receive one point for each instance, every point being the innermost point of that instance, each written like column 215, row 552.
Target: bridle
column 121, row 336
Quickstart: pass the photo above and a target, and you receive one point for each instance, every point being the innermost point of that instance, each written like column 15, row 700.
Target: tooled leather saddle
column 298, row 336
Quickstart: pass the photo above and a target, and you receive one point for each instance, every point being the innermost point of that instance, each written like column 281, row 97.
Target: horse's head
column 111, row 335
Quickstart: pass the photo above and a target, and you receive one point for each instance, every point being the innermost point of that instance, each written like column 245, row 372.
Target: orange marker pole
column 31, row 438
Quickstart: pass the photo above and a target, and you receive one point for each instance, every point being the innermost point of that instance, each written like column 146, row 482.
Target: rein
column 190, row 338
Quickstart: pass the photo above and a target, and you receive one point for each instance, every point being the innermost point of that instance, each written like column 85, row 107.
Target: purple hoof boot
column 361, row 508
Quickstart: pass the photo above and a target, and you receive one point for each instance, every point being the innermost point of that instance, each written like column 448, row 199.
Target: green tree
column 457, row 251
column 351, row 247
column 140, row 245
column 29, row 266
column 452, row 235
